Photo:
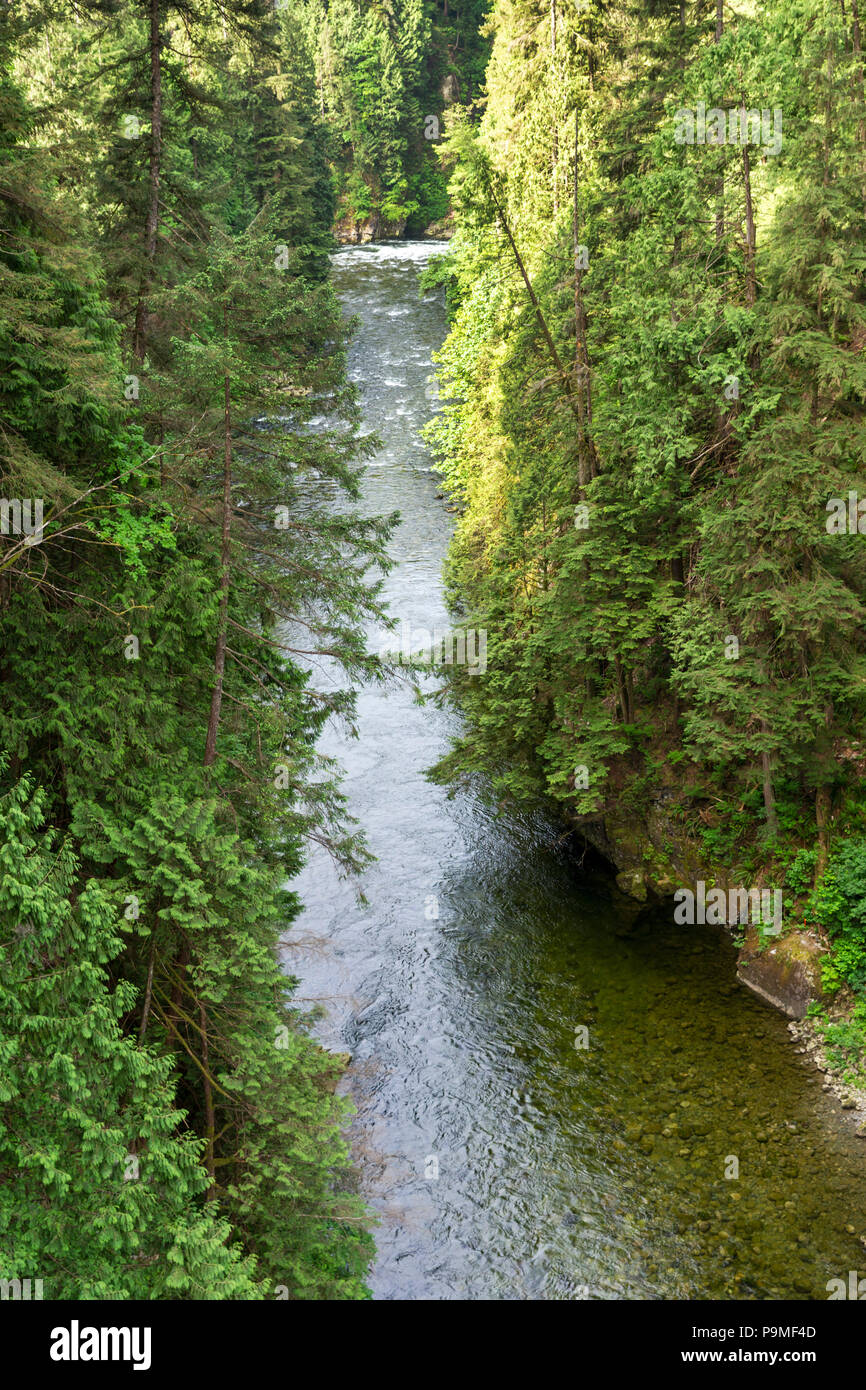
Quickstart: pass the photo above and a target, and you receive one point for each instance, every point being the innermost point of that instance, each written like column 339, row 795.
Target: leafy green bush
column 801, row 871
column 838, row 903
column 429, row 190
column 845, row 1043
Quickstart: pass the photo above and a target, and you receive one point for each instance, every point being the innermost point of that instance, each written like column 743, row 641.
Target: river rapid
column 505, row 1160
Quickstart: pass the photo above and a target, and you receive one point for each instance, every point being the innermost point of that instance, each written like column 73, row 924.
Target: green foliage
column 845, row 1044
column 384, row 74
column 800, row 873
column 92, row 1147
column 838, row 904
column 167, row 614
column 643, row 449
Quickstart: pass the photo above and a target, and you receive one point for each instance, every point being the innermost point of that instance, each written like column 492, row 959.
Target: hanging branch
column 561, row 370
column 209, row 1116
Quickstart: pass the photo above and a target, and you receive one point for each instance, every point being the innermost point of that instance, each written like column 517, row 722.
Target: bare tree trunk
column 139, row 341
column 622, row 682
column 564, row 376
column 767, row 780
column 181, row 963
column 751, row 274
column 148, row 989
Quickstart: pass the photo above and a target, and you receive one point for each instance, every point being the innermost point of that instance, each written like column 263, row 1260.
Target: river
column 505, row 1160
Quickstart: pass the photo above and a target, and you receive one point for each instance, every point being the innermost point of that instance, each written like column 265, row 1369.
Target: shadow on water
column 505, row 1159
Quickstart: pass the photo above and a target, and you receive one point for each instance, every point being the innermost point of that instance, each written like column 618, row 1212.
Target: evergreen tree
column 100, row 1186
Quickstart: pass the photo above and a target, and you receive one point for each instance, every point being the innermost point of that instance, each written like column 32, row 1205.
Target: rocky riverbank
column 852, row 1099
column 652, row 858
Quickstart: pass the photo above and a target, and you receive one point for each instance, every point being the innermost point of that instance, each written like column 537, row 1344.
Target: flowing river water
column 504, row 1159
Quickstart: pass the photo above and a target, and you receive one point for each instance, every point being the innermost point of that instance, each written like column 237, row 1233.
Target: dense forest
column 652, row 427
column 168, row 1121
column 656, row 436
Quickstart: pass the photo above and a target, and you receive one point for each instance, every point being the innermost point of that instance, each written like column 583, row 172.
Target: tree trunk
column 586, row 460
column 139, row 341
column 823, row 800
column 209, row 1115
column 225, row 571
column 751, row 275
column 564, row 376
column 767, row 780
column 555, row 161
column 822, row 821
column 720, row 186
column 180, row 965
column 622, row 682
column 858, row 52
column 855, row 39
column 148, row 990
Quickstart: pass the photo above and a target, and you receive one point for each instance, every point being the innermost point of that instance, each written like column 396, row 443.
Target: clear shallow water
column 562, row 1173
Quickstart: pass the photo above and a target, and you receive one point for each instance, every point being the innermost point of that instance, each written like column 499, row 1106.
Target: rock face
column 787, row 975
column 650, row 853
column 450, row 89
column 349, row 232
column 442, row 230
column 344, row 1059
column 653, row 858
